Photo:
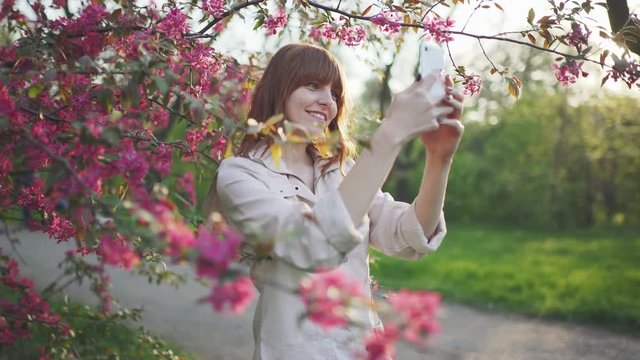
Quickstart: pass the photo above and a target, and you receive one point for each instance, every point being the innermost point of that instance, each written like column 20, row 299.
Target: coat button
column 297, row 188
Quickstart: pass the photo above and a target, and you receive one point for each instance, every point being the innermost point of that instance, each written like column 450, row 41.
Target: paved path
column 467, row 334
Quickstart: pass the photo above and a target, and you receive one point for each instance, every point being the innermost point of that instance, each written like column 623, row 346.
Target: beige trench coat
column 306, row 231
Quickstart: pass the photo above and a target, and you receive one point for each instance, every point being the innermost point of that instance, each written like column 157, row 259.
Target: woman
column 300, row 212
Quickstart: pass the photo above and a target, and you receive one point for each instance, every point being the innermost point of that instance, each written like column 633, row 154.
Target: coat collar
column 263, row 154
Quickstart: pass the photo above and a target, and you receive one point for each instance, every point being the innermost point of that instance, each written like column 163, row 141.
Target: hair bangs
column 315, row 64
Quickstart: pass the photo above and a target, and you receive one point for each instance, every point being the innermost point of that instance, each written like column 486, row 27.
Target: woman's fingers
column 440, row 111
column 453, row 123
column 448, row 81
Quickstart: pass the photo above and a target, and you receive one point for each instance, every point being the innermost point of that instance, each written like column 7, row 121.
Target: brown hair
column 292, row 66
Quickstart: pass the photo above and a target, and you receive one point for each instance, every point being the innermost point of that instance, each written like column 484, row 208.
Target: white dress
column 273, row 207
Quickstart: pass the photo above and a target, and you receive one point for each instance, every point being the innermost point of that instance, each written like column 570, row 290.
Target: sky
column 240, row 40
column 465, row 51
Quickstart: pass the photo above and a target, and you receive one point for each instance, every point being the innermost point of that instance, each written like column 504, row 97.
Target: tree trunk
column 619, row 19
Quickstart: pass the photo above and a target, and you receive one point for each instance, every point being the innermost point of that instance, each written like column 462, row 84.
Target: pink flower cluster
column 216, row 249
column 186, row 184
column 218, row 149
column 472, row 85
column 327, row 296
column 419, row 310
column 132, row 162
column 381, row 344
column 33, row 198
column 439, row 29
column 232, row 297
column 193, row 139
column 569, row 72
column 351, row 35
column 388, row 21
column 174, row 24
column 577, row 37
column 273, row 23
column 214, row 7
column 628, row 71
column 116, row 250
column 29, row 307
column 201, row 63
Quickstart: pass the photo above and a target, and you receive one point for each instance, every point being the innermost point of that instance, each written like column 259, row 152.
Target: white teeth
column 317, row 116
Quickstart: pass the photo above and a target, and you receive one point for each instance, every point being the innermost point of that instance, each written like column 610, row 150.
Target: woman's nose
column 325, row 97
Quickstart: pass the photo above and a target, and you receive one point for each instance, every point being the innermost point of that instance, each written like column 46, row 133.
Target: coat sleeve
column 396, row 231
column 296, row 233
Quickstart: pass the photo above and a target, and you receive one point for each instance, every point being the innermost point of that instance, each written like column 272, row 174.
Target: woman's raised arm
column 412, row 113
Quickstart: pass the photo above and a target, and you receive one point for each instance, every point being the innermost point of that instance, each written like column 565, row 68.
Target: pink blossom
column 59, row 3
column 88, row 21
column 7, row 107
column 7, row 7
column 160, row 118
column 326, row 31
column 388, row 21
column 418, row 309
column 216, row 249
column 628, row 71
column 272, row 23
column 32, row 197
column 131, row 163
column 117, row 251
column 214, row 7
column 174, row 24
column 27, row 308
column 569, row 72
column 161, row 159
column 327, row 297
column 232, row 297
column 472, row 85
column 218, row 149
column 60, row 228
column 315, row 33
column 204, row 62
column 352, row 35
column 180, row 237
column 381, row 343
column 186, row 185
column 578, row 37
column 194, row 138
column 439, row 29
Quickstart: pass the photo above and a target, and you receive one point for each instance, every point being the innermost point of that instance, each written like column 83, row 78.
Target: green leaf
column 111, row 135
column 35, row 90
column 161, row 84
column 531, row 16
column 105, row 98
column 259, row 22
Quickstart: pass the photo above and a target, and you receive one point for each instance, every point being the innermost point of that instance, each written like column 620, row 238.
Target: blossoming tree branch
column 112, row 111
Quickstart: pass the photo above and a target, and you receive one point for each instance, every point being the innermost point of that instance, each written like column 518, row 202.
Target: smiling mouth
column 318, row 116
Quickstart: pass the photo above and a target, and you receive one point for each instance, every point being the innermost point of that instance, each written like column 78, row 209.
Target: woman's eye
column 334, row 96
column 312, row 85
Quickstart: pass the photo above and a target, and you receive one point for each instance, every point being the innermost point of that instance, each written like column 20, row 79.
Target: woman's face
column 312, row 107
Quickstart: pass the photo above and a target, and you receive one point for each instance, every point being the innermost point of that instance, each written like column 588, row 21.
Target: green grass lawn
column 587, row 277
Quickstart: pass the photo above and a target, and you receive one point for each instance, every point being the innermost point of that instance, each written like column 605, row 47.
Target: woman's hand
column 413, row 112
column 442, row 142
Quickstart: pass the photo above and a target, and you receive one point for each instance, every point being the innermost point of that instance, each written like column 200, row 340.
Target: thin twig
column 224, row 15
column 487, row 56
column 472, row 13
column 429, row 10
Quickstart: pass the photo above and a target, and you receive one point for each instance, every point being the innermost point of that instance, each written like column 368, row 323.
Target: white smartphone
column 431, row 58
